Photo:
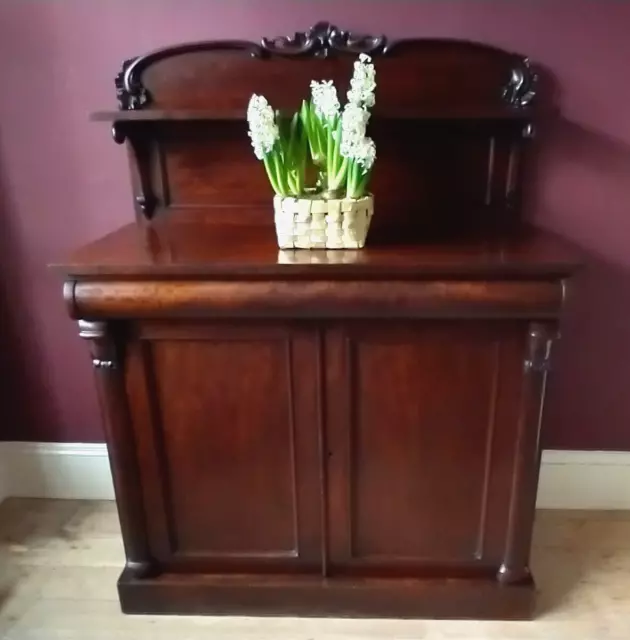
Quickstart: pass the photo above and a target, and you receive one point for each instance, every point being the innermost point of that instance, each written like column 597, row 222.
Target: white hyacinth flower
column 363, row 83
column 365, row 154
column 325, row 100
column 354, row 120
column 263, row 129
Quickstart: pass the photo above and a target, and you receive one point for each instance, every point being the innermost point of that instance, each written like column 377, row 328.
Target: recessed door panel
column 230, row 443
column 422, row 422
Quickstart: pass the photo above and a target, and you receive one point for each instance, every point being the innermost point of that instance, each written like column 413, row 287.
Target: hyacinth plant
column 321, row 134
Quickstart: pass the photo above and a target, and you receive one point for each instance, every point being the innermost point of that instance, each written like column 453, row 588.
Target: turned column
column 515, row 566
column 107, row 359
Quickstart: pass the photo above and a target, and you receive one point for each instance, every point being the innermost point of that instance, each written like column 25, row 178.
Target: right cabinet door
column 422, row 441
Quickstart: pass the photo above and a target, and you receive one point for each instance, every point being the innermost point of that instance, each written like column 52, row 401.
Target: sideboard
column 325, row 432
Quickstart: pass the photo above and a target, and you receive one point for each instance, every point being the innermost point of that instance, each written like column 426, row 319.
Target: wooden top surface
column 170, row 248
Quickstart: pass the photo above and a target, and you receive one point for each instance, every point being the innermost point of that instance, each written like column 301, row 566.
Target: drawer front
column 321, row 298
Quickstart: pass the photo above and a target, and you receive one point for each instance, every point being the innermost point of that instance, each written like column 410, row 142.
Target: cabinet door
column 421, row 434
column 226, row 422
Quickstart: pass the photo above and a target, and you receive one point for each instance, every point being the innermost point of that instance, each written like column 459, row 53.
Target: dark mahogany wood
column 106, row 349
column 237, row 498
column 454, row 112
column 446, row 112
column 394, row 422
column 515, row 568
column 316, row 299
column 325, row 432
column 311, row 596
column 178, row 246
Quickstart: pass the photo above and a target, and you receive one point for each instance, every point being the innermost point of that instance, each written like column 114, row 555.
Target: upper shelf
column 453, row 113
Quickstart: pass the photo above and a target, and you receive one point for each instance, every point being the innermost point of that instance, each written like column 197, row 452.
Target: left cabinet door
column 226, row 418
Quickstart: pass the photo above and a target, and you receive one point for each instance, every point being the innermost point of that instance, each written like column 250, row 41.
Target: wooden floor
column 60, row 560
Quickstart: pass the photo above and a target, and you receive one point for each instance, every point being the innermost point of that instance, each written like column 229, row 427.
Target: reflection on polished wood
column 173, row 247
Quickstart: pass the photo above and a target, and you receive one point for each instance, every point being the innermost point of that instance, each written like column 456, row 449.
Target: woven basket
column 317, row 223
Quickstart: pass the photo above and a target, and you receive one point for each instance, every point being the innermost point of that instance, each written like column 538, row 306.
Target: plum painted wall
column 63, row 181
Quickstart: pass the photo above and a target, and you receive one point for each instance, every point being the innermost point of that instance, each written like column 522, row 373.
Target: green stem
column 340, row 176
column 336, row 148
column 303, row 157
column 308, row 120
column 355, row 181
column 279, row 173
column 270, row 175
column 321, row 137
column 330, row 157
column 351, row 172
column 292, row 184
column 362, row 184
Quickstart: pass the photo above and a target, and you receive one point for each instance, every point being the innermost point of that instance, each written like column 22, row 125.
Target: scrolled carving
column 520, row 91
column 119, row 134
column 539, row 344
column 323, row 40
column 102, row 345
column 529, row 131
column 130, row 93
column 98, row 363
column 133, row 95
column 92, row 329
column 146, row 200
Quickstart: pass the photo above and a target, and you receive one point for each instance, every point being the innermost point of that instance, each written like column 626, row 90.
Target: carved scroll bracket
column 146, row 200
column 539, row 348
column 521, row 88
column 130, row 92
column 102, row 347
column 529, row 131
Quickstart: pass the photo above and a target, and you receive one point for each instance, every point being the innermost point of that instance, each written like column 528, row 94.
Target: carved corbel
column 146, row 200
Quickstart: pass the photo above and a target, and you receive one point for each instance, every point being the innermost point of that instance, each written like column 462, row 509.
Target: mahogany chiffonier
column 325, row 432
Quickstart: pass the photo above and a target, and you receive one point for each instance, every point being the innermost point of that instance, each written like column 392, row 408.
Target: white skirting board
column 56, row 470
column 568, row 479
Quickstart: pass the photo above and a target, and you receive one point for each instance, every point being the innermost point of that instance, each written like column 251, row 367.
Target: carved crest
column 324, row 40
column 521, row 89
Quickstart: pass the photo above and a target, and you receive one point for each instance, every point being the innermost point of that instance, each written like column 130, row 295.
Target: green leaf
column 337, row 147
column 303, row 157
column 353, row 178
column 308, row 123
column 321, row 135
column 271, row 174
column 341, row 175
column 279, row 173
column 362, row 184
column 293, row 132
column 330, row 155
column 291, row 183
column 304, row 117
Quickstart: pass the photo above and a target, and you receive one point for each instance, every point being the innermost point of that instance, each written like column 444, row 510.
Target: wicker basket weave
column 316, row 223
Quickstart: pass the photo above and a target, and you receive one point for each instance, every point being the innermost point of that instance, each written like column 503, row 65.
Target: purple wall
column 63, row 181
